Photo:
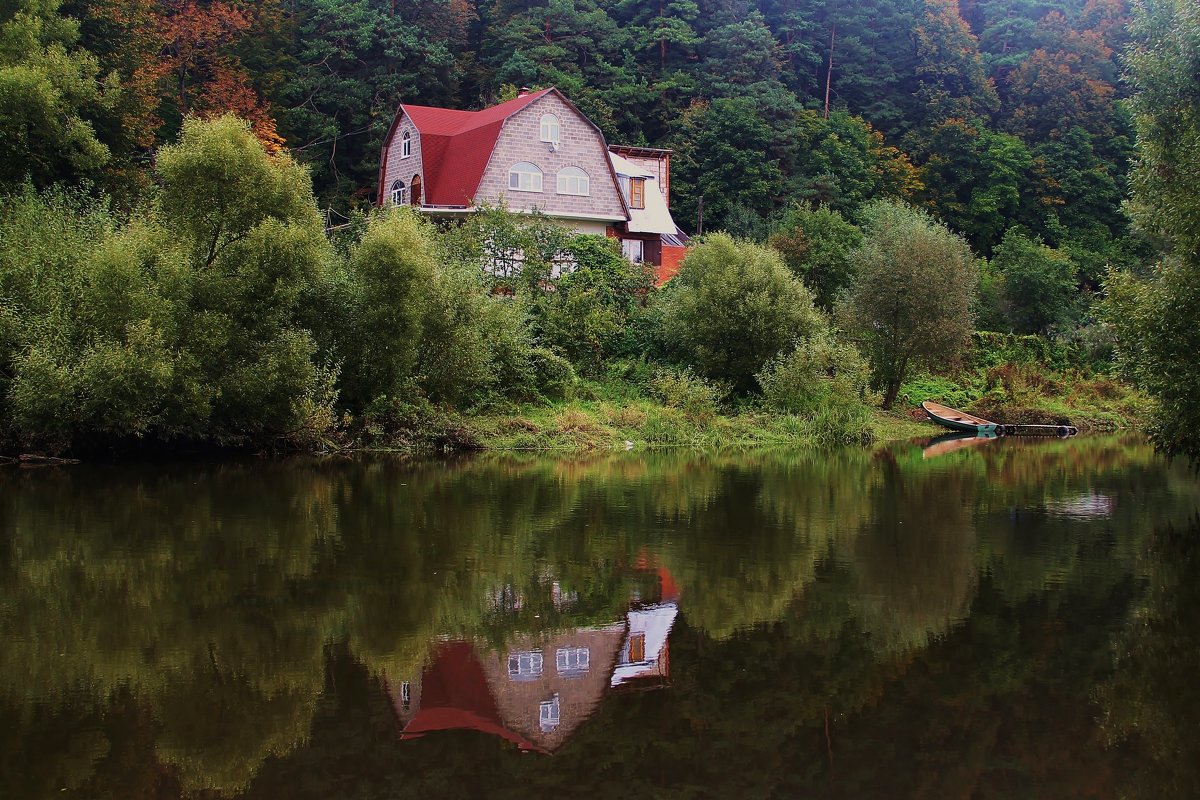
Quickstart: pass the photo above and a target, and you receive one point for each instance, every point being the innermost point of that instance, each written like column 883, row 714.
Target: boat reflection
column 951, row 442
column 541, row 687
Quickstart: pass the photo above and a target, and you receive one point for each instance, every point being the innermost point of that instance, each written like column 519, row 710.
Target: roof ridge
column 469, row 120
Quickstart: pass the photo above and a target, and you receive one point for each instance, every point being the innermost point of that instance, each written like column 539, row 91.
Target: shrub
column 819, row 372
column 583, row 313
column 732, row 307
column 553, row 375
column 1038, row 287
column 840, row 425
column 413, row 423
column 698, row 399
column 184, row 323
column 940, row 389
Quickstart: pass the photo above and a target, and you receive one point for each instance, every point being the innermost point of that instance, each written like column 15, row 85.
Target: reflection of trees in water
column 914, row 557
column 1152, row 702
column 205, row 598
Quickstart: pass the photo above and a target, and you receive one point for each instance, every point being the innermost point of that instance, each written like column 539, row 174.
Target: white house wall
column 397, row 168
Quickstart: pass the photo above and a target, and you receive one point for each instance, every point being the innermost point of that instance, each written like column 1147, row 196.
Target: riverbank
column 1023, row 393
column 599, row 425
column 618, row 415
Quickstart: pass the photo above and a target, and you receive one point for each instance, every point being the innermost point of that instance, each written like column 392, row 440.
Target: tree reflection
column 191, row 622
column 1152, row 703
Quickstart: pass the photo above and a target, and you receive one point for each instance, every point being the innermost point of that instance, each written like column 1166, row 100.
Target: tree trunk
column 889, row 399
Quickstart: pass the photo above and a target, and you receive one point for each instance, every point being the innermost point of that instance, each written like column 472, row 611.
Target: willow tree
column 1156, row 319
column 910, row 303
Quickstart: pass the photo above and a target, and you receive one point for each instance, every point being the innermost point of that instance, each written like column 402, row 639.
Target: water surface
column 1009, row 619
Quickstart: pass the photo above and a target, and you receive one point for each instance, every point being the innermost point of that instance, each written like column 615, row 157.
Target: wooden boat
column 957, row 420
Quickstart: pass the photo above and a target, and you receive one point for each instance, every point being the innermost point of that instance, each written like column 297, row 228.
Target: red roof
column 455, row 695
column 456, row 146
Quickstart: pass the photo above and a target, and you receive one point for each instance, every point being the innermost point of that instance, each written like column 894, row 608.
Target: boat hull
column 958, row 421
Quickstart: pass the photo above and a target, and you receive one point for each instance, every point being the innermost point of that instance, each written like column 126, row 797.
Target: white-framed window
column 405, row 144
column 573, row 180
column 572, row 659
column 549, row 714
column 398, row 195
column 550, row 129
column 406, row 695
column 526, row 664
column 634, row 250
column 525, row 177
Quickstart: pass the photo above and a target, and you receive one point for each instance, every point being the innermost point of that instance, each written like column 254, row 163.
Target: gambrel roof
column 456, row 145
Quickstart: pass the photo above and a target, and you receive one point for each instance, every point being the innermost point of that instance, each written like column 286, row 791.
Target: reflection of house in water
column 644, row 660
column 538, row 690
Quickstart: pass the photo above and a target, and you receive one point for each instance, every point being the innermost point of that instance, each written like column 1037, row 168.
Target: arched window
column 405, row 145
column 398, row 194
column 524, row 177
column 550, row 128
column 573, row 180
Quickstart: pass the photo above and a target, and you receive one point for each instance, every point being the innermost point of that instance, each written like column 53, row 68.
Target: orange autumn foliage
column 200, row 73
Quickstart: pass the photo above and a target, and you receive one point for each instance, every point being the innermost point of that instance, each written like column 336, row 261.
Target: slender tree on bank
column 910, row 304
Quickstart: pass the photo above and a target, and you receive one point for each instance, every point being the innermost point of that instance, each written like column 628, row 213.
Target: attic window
column 637, row 192
column 405, row 145
column 524, row 177
column 573, row 180
column 550, row 129
column 398, row 194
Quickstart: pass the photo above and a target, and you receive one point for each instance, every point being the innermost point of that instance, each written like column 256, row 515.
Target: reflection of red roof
column 455, row 695
column 668, row 588
column 456, row 146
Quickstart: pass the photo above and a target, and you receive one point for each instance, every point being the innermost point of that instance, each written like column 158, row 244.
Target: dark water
column 1012, row 620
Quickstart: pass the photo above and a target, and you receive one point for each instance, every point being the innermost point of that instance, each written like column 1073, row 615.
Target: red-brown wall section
column 672, row 257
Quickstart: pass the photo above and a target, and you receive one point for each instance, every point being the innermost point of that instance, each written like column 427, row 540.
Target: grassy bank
column 1023, row 393
column 644, row 424
column 617, row 415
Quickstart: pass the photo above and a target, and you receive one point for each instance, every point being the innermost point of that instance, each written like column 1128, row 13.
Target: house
column 534, row 693
column 538, row 688
column 535, row 152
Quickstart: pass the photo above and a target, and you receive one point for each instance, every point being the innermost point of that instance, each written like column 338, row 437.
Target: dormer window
column 550, row 129
column 573, row 180
column 524, row 177
column 637, row 192
column 398, row 194
column 405, row 144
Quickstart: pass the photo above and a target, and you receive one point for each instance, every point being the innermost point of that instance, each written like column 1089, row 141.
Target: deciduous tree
column 910, row 303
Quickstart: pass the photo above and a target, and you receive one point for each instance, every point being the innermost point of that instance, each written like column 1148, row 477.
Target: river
column 1006, row 619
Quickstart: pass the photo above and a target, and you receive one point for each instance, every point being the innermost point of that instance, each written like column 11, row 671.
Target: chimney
column 524, row 90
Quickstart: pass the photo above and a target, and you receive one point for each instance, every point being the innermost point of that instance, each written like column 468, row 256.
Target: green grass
column 1033, row 393
column 615, row 416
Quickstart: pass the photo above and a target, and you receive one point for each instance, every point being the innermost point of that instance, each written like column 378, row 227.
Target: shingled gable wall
column 581, row 146
column 403, row 169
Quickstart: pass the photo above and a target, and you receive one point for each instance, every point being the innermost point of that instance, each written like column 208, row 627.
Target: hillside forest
column 187, row 156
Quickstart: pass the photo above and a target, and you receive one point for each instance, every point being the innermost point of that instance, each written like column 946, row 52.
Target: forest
column 1038, row 152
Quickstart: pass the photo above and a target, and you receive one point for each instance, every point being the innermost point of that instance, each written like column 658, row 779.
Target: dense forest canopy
column 991, row 112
